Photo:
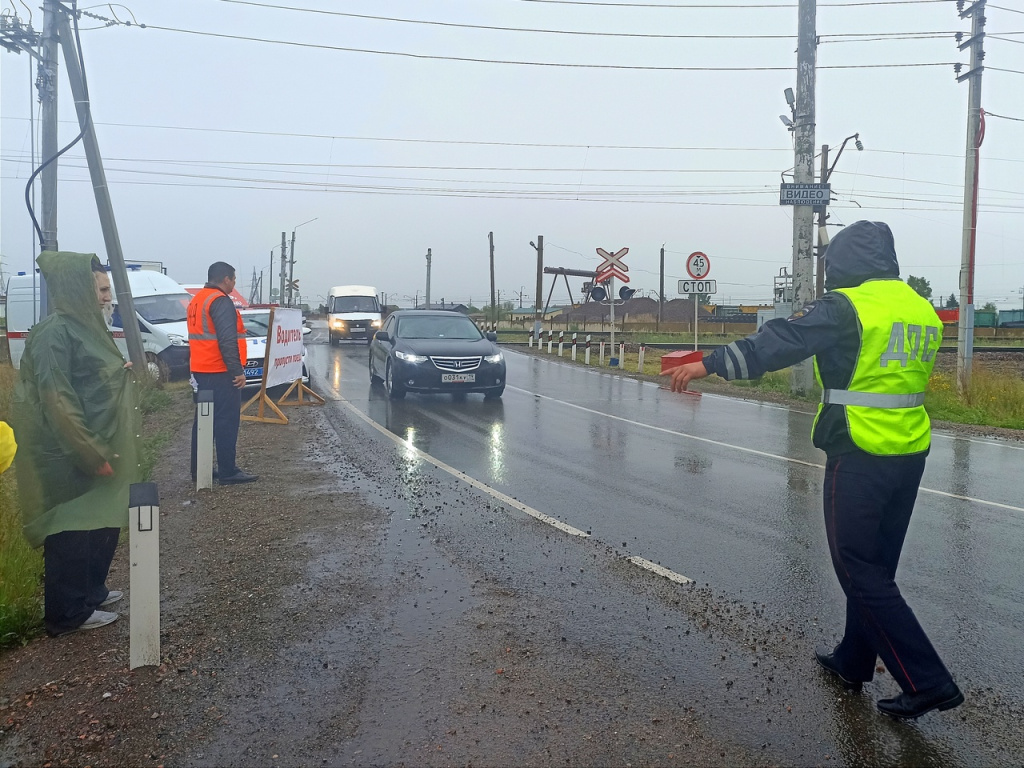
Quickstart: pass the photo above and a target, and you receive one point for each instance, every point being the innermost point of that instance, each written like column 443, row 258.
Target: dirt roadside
column 304, row 621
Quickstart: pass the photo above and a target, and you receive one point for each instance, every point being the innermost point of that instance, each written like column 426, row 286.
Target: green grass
column 994, row 400
column 21, row 566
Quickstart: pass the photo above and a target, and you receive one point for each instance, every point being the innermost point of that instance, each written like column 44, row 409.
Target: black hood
column 862, row 251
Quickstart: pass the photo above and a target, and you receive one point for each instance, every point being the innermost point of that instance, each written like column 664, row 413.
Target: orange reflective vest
column 204, row 353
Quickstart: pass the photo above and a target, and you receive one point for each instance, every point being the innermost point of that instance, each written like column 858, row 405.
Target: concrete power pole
column 428, row 279
column 538, row 315
column 494, row 307
column 284, row 263
column 661, row 287
column 803, row 173
column 819, row 261
column 104, row 205
column 291, row 271
column 46, row 83
column 975, row 135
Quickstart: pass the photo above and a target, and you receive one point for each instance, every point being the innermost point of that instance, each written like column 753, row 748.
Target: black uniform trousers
column 227, row 407
column 868, row 503
column 76, row 564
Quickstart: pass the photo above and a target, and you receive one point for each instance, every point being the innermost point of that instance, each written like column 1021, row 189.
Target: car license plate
column 458, row 378
column 253, row 373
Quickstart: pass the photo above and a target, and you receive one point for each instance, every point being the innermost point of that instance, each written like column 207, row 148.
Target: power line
column 548, row 64
column 854, row 4
column 1003, row 117
column 488, row 27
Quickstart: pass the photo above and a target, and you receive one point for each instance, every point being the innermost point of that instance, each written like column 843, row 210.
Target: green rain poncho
column 75, row 407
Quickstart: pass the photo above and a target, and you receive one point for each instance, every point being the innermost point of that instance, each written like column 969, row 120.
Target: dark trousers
column 868, row 503
column 227, row 407
column 76, row 566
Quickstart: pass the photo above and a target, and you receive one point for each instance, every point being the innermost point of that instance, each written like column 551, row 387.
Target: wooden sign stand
column 266, row 402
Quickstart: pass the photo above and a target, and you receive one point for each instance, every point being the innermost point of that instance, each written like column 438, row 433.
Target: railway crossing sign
column 612, row 266
column 698, row 265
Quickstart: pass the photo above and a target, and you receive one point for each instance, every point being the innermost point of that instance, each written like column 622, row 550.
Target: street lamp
column 826, row 174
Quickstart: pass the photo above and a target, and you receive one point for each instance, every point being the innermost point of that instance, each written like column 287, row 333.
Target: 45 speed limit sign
column 698, row 265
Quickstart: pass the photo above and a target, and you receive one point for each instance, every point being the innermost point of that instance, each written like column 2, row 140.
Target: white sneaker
column 98, row 619
column 112, row 597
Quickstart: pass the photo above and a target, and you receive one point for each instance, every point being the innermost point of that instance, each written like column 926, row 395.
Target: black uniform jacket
column 827, row 329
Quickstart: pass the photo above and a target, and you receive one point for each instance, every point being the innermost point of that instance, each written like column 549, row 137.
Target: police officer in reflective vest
column 217, row 352
column 874, row 342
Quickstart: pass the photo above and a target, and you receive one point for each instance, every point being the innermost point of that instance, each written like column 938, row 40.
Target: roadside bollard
column 600, row 359
column 586, row 352
column 622, row 356
column 561, row 342
column 204, row 439
column 640, row 360
column 551, row 335
column 144, row 575
column 574, row 347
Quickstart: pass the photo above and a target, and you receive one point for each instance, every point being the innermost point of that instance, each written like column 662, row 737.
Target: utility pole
column 819, row 265
column 803, row 173
column 494, row 307
column 428, row 279
column 101, row 191
column 538, row 315
column 46, row 84
column 284, row 262
column 975, row 135
column 661, row 287
column 291, row 271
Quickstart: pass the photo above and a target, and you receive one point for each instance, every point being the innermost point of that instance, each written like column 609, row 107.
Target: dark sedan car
column 425, row 351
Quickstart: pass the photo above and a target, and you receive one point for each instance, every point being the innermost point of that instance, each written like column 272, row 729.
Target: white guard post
column 204, row 439
column 561, row 342
column 144, row 577
column 529, row 340
column 601, row 356
column 622, row 356
column 640, row 361
column 586, row 352
column 551, row 336
column 574, row 347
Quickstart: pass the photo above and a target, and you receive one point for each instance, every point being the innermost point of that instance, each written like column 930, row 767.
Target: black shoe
column 907, row 706
column 828, row 662
column 238, row 478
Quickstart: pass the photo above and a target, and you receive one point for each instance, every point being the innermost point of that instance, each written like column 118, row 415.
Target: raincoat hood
column 862, row 251
column 71, row 288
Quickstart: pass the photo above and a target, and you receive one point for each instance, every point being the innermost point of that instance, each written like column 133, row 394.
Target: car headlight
column 177, row 340
column 375, row 323
column 495, row 358
column 339, row 323
column 409, row 357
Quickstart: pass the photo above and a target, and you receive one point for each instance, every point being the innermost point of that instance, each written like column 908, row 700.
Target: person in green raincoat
column 76, row 419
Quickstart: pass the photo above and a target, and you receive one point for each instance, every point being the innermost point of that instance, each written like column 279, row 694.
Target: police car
column 257, row 324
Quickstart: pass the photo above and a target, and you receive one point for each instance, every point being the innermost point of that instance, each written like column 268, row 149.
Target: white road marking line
column 661, row 570
column 744, row 449
column 503, row 497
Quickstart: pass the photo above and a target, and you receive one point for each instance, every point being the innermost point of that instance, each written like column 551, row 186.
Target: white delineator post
column 144, row 576
column 600, row 359
column 551, row 336
column 204, row 439
column 586, row 352
column 561, row 342
column 622, row 356
column 640, row 360
column 573, row 347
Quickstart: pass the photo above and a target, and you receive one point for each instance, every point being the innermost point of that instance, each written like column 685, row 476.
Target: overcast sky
column 435, row 125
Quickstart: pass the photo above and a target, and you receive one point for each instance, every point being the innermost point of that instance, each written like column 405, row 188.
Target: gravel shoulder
column 317, row 617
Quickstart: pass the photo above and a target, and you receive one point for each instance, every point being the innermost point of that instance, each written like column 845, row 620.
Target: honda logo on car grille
column 456, row 363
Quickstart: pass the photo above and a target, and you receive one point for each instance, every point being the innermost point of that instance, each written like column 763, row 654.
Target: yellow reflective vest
column 900, row 334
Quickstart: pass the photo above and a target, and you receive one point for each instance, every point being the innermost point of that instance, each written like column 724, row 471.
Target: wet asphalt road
column 727, row 493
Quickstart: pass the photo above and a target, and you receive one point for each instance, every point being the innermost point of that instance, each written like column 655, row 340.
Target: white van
column 160, row 305
column 353, row 312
